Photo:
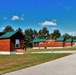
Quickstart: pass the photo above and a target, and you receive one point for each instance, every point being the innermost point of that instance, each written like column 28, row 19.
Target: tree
column 67, row 36
column 74, row 37
column 35, row 34
column 55, row 34
column 43, row 33
column 28, row 37
column 8, row 29
column 20, row 30
column 40, row 35
column 52, row 36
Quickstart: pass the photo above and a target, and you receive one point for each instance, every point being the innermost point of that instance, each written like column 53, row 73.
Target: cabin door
column 63, row 44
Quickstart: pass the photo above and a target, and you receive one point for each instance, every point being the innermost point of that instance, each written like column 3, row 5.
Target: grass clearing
column 10, row 63
column 59, row 49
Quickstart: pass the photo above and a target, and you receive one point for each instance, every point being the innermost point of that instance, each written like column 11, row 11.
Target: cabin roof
column 69, row 40
column 74, row 40
column 60, row 39
column 8, row 34
column 39, row 40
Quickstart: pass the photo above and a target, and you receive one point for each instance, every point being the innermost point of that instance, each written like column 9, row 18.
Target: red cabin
column 52, row 43
column 12, row 43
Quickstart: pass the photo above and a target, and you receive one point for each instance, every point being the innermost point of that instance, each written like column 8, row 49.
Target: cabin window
column 17, row 43
column 48, row 42
column 41, row 43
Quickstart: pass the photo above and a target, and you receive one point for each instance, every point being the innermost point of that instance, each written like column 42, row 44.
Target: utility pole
column 53, row 46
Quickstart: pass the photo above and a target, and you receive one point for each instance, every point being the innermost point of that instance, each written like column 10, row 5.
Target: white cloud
column 48, row 23
column 5, row 18
column 2, row 28
column 17, row 18
column 72, row 33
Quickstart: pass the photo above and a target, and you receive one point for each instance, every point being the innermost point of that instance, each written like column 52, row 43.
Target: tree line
column 31, row 34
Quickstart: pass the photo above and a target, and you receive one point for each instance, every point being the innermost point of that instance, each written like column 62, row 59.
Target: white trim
column 38, row 47
column 54, row 47
column 20, row 52
column 68, row 46
column 42, row 47
column 35, row 47
column 57, row 47
column 46, row 47
column 8, row 53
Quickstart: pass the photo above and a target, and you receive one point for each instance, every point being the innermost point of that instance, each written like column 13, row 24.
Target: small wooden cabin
column 37, row 43
column 69, row 42
column 74, row 42
column 60, row 42
column 12, row 43
column 53, row 43
column 48, row 43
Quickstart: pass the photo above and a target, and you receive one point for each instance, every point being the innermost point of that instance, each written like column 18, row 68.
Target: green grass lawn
column 39, row 50
column 10, row 63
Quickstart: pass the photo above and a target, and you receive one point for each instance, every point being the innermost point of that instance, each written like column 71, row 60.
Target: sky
column 36, row 14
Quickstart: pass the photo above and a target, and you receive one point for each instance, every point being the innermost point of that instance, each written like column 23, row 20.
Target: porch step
column 20, row 50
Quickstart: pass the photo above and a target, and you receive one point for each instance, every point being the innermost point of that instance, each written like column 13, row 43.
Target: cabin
column 60, row 42
column 12, row 43
column 69, row 42
column 38, row 43
column 52, row 43
column 74, row 42
column 48, row 43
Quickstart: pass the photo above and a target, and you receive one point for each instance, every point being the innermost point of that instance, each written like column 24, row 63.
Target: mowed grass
column 10, row 63
column 54, row 49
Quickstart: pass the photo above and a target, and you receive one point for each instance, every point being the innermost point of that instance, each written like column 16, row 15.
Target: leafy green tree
column 67, row 36
column 28, row 37
column 43, row 33
column 20, row 30
column 35, row 34
column 74, row 37
column 8, row 29
column 40, row 35
column 52, row 36
column 55, row 34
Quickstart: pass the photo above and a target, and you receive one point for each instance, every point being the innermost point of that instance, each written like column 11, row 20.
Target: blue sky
column 35, row 14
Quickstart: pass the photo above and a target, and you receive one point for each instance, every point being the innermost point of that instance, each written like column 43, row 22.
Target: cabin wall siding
column 58, row 44
column 13, row 40
column 12, row 45
column 5, row 45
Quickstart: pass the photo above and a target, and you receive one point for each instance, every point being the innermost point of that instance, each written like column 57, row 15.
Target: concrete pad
column 62, row 66
column 72, row 51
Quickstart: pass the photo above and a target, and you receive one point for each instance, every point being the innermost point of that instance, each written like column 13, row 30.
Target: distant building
column 74, row 42
column 49, row 43
column 69, row 42
column 12, row 43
